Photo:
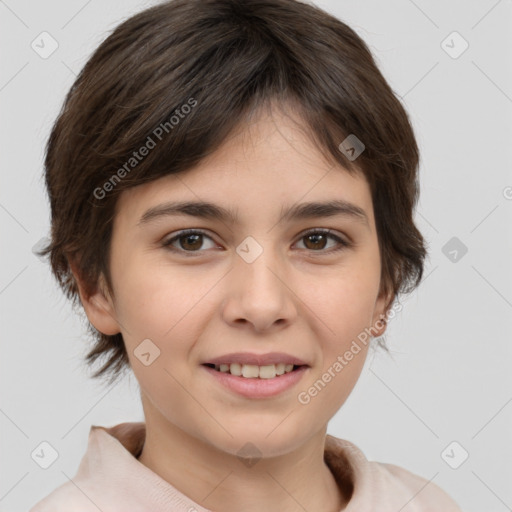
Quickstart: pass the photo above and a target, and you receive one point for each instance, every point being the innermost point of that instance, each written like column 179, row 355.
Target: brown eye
column 316, row 241
column 191, row 242
column 188, row 241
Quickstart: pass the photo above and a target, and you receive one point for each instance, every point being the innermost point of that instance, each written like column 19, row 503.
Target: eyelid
column 343, row 241
column 166, row 243
column 324, row 231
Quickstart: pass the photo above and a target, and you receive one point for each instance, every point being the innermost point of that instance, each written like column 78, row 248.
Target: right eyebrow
column 201, row 209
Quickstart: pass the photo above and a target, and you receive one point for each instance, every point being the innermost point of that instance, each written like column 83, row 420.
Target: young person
column 232, row 187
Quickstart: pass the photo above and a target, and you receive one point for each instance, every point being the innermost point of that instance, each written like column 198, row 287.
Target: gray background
column 449, row 378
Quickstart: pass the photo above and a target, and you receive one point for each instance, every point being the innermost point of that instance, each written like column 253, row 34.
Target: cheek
column 328, row 390
column 157, row 302
column 343, row 304
column 343, row 311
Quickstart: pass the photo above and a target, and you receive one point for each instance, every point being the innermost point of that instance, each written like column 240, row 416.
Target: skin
column 297, row 297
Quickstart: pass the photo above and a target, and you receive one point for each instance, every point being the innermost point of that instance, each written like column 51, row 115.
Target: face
column 260, row 283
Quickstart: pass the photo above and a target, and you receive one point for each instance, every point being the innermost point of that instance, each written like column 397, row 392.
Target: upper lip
column 257, row 359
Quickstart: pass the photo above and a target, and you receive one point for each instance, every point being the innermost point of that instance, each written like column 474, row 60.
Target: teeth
column 252, row 371
column 267, row 372
column 235, row 369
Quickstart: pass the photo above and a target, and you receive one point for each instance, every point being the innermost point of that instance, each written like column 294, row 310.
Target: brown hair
column 223, row 59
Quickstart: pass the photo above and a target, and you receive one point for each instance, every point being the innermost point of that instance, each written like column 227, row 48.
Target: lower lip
column 256, row 387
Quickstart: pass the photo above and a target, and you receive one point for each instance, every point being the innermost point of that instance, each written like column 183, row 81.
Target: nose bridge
column 258, row 263
column 258, row 293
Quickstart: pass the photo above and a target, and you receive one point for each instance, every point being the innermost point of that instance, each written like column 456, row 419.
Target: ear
column 379, row 318
column 98, row 306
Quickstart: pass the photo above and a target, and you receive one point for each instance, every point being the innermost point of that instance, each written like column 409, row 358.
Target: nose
column 260, row 294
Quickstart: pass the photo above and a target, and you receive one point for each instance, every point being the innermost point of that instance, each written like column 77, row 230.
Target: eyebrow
column 207, row 210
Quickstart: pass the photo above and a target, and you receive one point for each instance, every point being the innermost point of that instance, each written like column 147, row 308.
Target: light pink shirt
column 111, row 479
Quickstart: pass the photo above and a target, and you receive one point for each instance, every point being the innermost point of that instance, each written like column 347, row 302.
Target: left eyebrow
column 332, row 208
column 206, row 210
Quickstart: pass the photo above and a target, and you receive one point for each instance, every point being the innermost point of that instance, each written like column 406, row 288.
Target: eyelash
column 343, row 244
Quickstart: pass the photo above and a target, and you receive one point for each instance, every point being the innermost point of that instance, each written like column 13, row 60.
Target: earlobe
column 379, row 326
column 379, row 320
column 98, row 305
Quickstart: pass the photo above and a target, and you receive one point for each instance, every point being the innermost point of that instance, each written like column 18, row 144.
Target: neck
column 217, row 480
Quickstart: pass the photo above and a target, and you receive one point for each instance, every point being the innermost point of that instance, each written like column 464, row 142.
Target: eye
column 191, row 241
column 316, row 240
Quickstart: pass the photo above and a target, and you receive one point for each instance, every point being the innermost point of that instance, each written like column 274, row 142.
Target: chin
column 262, row 439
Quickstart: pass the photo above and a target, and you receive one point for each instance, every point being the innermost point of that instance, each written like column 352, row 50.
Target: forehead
column 266, row 165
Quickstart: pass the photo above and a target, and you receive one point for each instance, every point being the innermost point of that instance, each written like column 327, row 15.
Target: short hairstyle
column 178, row 78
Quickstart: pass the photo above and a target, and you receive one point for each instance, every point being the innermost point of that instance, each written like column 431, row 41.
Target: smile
column 252, row 381
column 252, row 371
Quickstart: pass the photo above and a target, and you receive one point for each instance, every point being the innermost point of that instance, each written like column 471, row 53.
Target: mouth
column 252, row 371
column 256, row 382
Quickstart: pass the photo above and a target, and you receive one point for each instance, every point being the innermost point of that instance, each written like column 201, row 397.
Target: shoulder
column 107, row 454
column 426, row 494
column 391, row 487
column 64, row 497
